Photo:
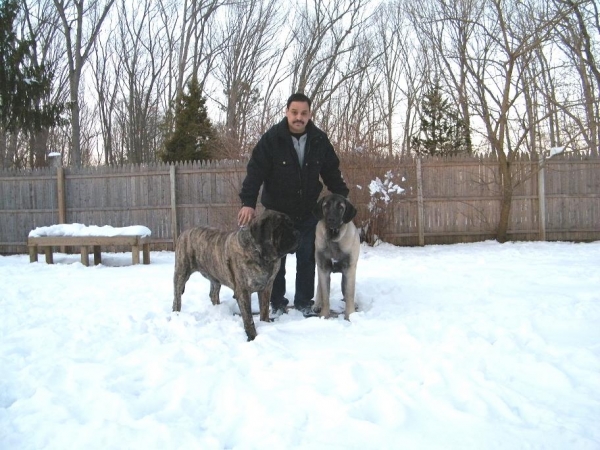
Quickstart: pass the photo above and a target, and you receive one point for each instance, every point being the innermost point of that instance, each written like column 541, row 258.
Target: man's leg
column 278, row 300
column 305, row 264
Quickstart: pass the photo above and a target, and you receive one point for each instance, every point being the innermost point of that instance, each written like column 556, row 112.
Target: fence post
column 420, row 212
column 173, row 204
column 542, row 198
column 60, row 192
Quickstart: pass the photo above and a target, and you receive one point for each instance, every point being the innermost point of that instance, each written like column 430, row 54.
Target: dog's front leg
column 243, row 299
column 348, row 288
column 180, row 278
column 264, row 297
column 318, row 299
column 323, row 289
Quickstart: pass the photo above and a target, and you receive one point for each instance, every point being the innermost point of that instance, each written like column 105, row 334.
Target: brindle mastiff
column 337, row 246
column 246, row 261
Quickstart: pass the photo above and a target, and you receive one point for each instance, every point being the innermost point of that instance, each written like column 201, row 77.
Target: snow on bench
column 78, row 235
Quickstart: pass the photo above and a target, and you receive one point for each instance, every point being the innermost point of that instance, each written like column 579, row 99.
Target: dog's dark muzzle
column 333, row 233
column 334, row 224
column 289, row 242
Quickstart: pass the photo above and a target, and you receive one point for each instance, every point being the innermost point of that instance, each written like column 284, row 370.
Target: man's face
column 298, row 115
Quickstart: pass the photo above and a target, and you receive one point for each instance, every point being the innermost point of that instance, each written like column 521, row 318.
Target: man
column 287, row 162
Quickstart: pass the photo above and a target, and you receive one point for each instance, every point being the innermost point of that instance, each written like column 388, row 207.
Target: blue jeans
column 305, row 264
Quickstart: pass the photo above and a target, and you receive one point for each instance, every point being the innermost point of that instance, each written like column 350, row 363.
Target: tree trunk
column 506, row 202
column 76, row 29
column 75, row 129
column 38, row 142
column 3, row 152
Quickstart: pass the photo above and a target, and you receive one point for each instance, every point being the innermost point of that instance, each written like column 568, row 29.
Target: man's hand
column 245, row 215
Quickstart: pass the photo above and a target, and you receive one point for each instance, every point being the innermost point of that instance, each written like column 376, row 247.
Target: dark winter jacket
column 287, row 187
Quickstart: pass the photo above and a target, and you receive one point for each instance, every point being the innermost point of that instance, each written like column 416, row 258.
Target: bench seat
column 85, row 242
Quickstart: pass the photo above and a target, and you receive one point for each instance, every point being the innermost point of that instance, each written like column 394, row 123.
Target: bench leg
column 48, row 251
column 33, row 253
column 97, row 255
column 135, row 254
column 85, row 255
column 146, row 253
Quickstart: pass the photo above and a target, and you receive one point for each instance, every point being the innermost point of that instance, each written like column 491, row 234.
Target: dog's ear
column 350, row 212
column 255, row 229
column 263, row 232
column 318, row 210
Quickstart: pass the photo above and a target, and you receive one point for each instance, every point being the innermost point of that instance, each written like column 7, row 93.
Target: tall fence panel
column 207, row 194
column 27, row 200
column 120, row 196
column 461, row 199
column 572, row 199
column 443, row 200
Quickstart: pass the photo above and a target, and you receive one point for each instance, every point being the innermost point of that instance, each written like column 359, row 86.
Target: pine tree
column 194, row 134
column 442, row 131
column 23, row 83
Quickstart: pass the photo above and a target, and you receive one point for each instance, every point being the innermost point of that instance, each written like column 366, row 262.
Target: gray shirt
column 300, row 145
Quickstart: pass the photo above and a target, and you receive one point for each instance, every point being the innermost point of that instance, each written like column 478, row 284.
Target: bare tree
column 401, row 64
column 585, row 14
column 250, row 33
column 548, row 91
column 106, row 75
column 449, row 28
column 193, row 28
column 325, row 34
column 89, row 133
column 81, row 23
column 278, row 75
column 502, row 46
column 353, row 116
column 186, row 32
column 142, row 59
column 575, row 39
column 41, row 22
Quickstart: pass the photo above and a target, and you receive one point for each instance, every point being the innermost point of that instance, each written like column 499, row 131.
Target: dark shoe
column 305, row 307
column 278, row 306
column 309, row 312
column 303, row 304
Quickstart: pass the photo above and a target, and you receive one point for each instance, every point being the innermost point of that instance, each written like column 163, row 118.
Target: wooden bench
column 85, row 242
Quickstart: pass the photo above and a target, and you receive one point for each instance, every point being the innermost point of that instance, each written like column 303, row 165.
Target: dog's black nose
column 332, row 222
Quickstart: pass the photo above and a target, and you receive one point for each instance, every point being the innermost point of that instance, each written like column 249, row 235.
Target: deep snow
column 472, row 346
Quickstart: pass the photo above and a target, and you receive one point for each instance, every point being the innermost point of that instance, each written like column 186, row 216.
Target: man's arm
column 257, row 169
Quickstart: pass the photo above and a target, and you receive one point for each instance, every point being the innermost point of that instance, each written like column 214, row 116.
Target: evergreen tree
column 24, row 84
column 194, row 134
column 442, row 131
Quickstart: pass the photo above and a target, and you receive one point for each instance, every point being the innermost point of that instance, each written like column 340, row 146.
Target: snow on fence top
column 77, row 229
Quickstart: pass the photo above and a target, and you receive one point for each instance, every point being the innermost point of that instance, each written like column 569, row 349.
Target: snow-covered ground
column 474, row 346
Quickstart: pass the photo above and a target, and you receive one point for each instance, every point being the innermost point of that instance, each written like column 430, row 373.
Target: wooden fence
column 444, row 200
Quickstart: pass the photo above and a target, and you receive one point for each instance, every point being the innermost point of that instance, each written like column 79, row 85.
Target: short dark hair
column 298, row 97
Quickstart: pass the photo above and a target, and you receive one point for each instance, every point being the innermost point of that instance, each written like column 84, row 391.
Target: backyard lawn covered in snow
column 470, row 346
